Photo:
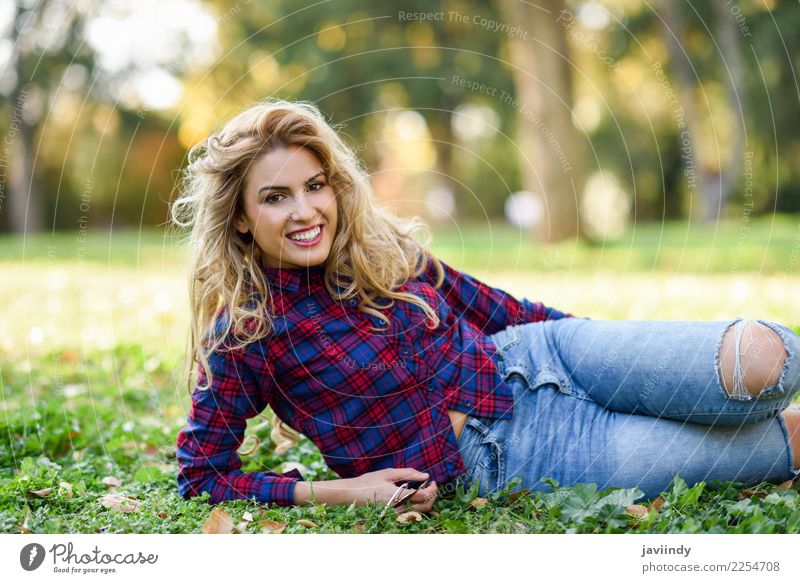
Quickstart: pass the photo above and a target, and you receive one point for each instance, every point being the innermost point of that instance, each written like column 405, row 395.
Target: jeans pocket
column 482, row 453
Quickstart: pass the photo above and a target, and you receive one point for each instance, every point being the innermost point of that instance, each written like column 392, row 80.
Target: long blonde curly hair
column 372, row 255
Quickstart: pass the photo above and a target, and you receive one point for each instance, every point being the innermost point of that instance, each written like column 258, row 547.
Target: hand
column 378, row 487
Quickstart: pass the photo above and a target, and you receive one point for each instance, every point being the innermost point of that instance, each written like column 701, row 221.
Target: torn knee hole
column 751, row 358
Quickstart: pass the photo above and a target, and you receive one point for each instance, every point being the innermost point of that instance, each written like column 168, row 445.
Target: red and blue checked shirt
column 367, row 399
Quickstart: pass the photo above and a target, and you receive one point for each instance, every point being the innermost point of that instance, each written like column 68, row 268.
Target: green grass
column 115, row 414
column 91, row 345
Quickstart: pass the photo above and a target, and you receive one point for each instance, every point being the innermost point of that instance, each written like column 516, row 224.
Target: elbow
column 196, row 486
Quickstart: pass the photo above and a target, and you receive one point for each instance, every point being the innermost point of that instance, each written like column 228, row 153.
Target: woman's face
column 289, row 207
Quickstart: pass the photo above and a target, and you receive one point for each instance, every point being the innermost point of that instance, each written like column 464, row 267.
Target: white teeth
column 306, row 236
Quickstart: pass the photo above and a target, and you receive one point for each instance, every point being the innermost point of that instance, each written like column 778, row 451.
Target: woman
column 309, row 298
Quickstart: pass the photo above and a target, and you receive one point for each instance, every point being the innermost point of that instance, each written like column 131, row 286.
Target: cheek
column 269, row 222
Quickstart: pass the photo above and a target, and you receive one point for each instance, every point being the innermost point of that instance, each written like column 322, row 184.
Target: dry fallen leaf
column 410, row 516
column 747, row 493
column 163, row 515
column 512, row 497
column 636, row 511
column 478, row 502
column 307, row 523
column 112, row 482
column 42, row 493
column 359, row 528
column 65, row 488
column 657, row 503
column 218, row 522
column 119, row 502
column 272, row 526
column 786, row 485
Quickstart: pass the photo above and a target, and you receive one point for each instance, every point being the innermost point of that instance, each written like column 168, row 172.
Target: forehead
column 289, row 166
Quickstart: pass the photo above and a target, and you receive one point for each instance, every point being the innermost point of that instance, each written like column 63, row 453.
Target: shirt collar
column 291, row 278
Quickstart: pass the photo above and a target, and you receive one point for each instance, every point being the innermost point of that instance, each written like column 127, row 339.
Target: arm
column 488, row 308
column 207, row 446
column 208, row 461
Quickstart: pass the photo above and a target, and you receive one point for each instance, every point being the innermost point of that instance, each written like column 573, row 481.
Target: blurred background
column 615, row 159
column 560, row 149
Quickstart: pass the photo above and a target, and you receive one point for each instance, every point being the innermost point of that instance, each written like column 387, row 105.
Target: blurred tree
column 45, row 38
column 552, row 149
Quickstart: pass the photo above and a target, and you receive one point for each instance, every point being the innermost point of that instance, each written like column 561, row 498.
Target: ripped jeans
column 631, row 404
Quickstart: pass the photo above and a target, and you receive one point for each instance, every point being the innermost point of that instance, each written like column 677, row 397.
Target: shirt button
column 404, row 351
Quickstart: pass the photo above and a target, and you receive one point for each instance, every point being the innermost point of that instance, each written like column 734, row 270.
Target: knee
column 751, row 358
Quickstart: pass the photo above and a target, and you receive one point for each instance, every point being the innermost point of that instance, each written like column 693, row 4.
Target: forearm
column 329, row 491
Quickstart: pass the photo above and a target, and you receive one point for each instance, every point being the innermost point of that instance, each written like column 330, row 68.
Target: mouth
column 306, row 237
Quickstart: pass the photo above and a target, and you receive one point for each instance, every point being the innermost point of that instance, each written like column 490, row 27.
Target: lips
column 306, row 237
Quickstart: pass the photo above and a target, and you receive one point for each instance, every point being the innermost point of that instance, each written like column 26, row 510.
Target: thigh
column 657, row 368
column 555, row 435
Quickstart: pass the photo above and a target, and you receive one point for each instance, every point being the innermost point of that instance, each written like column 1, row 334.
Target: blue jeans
column 628, row 404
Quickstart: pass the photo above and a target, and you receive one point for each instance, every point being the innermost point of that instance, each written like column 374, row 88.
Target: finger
column 407, row 474
column 426, row 493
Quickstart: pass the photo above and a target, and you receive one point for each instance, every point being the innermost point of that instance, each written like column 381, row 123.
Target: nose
column 301, row 210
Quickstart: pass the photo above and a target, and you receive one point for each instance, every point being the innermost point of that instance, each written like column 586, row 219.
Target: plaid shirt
column 367, row 399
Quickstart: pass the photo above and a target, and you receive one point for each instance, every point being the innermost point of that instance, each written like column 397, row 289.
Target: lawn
column 92, row 336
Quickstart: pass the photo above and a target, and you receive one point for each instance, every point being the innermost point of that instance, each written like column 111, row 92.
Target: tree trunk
column 726, row 32
column 25, row 208
column 708, row 183
column 552, row 150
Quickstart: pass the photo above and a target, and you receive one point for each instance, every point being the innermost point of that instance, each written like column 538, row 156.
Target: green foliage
column 69, row 445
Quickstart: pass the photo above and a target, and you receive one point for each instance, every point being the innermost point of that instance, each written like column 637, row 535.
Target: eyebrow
column 277, row 187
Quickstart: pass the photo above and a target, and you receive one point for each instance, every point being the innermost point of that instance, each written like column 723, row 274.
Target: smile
column 307, row 238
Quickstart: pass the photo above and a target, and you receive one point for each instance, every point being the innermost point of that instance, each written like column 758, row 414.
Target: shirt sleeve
column 207, row 446
column 488, row 308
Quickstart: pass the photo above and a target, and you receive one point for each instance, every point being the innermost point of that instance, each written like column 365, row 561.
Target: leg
column 703, row 372
column 573, row 440
column 792, row 421
column 751, row 359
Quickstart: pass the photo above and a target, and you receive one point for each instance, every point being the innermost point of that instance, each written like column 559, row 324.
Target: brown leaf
column 272, row 526
column 637, row 511
column 747, row 493
column 119, row 502
column 657, row 503
column 307, row 523
column 218, row 522
column 112, row 482
column 512, row 497
column 359, row 528
column 478, row 502
column 410, row 516
column 65, row 488
column 163, row 515
column 42, row 493
column 786, row 485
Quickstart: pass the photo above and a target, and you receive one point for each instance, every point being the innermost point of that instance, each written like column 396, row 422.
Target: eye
column 271, row 199
column 316, row 186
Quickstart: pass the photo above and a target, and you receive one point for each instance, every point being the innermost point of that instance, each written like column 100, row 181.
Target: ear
column 241, row 225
